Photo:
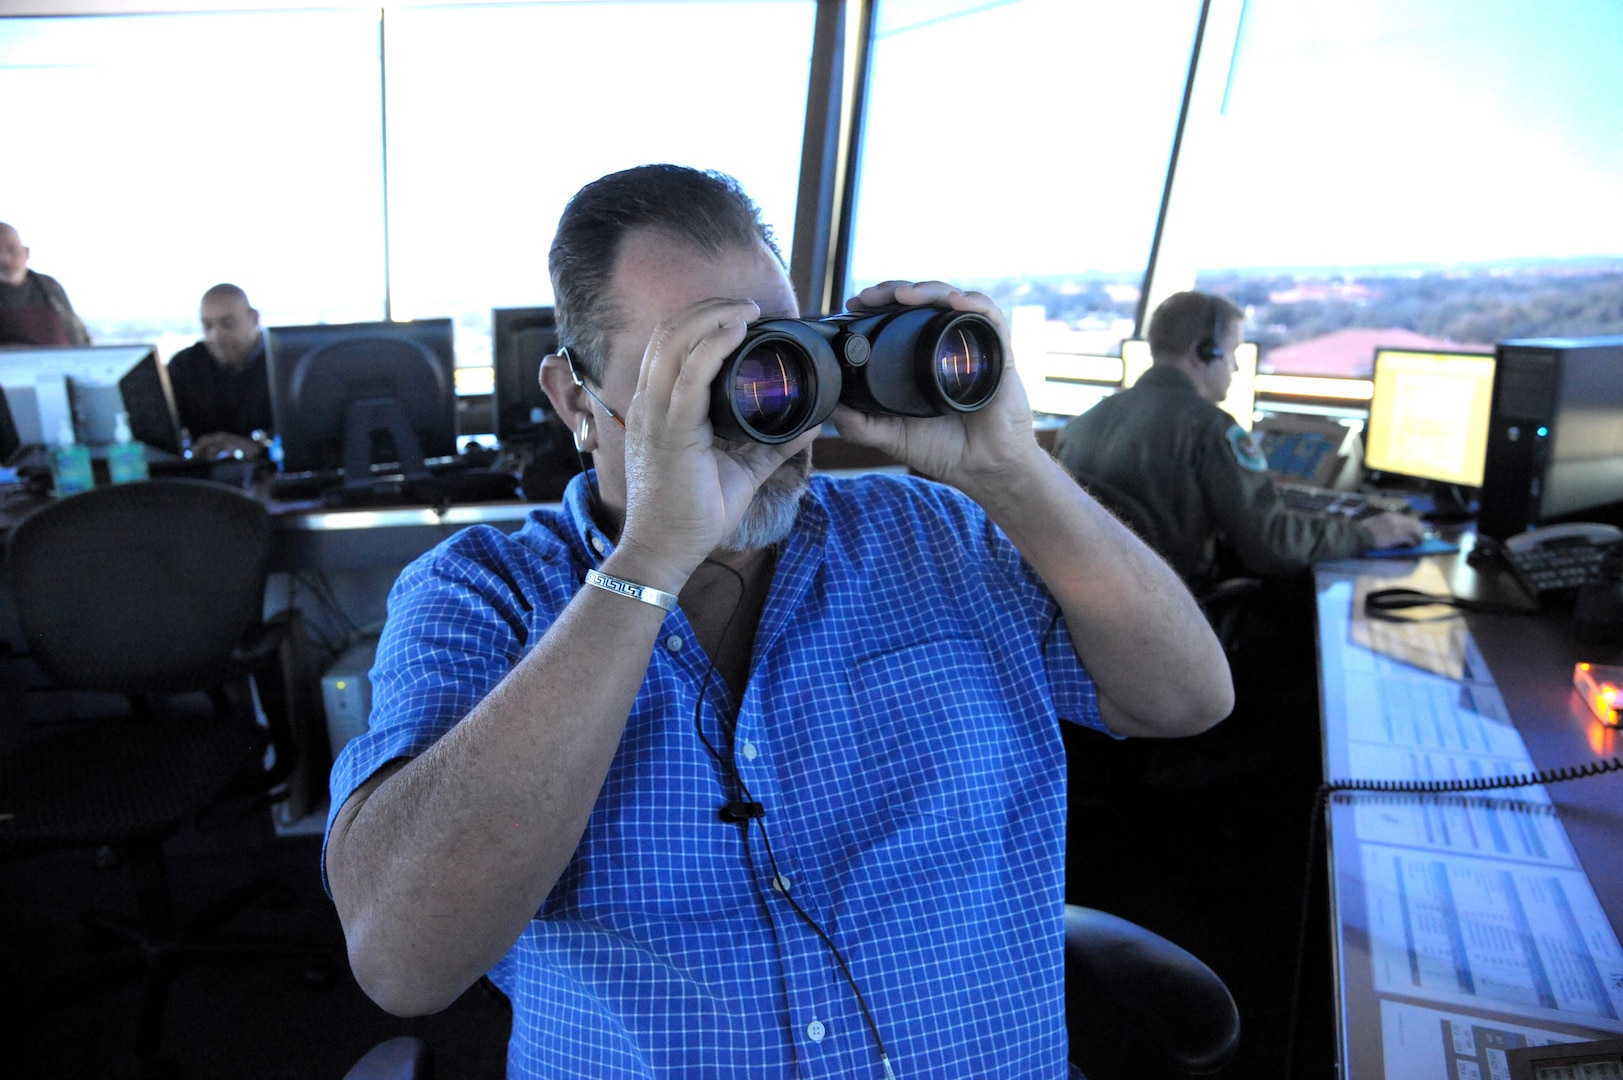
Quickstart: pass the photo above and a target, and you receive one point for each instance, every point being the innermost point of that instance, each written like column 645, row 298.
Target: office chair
column 1136, row 1001
column 1133, row 998
column 1221, row 601
column 148, row 590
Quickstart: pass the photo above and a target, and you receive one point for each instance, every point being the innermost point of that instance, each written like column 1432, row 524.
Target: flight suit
column 1197, row 478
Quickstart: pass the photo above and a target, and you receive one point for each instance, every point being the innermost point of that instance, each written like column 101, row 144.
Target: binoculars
column 788, row 374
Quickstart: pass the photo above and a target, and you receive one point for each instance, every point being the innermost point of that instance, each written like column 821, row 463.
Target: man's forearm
column 1144, row 640
column 437, row 867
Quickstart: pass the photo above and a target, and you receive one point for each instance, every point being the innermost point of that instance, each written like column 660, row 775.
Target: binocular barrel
column 788, row 374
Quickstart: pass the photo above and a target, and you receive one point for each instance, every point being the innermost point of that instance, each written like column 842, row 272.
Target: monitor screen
column 1135, row 360
column 363, row 388
column 523, row 338
column 1428, row 415
column 1303, row 449
column 1241, row 402
column 1242, row 396
column 100, row 381
column 1074, row 383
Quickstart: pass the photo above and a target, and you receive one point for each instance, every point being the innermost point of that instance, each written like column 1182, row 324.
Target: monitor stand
column 365, row 419
column 1450, row 505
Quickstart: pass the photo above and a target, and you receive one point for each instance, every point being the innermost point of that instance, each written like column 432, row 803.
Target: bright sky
column 1390, row 131
column 1006, row 137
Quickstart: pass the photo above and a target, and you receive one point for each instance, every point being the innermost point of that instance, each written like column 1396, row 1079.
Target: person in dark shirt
column 34, row 308
column 221, row 390
column 1196, row 473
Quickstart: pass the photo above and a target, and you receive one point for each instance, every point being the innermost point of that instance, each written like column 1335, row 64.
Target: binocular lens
column 767, row 387
column 965, row 364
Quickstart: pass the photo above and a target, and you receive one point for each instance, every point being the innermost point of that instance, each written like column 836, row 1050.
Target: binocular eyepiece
column 788, row 374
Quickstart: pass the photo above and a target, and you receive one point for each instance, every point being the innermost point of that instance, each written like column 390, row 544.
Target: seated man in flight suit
column 1196, row 474
column 729, row 769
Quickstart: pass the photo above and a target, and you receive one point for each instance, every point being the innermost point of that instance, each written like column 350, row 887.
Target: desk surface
column 1462, row 925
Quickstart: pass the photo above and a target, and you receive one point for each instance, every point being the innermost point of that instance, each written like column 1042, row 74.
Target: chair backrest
column 1126, row 507
column 140, row 588
column 1221, row 600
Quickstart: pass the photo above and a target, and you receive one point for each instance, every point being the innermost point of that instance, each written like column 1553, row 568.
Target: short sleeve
column 459, row 618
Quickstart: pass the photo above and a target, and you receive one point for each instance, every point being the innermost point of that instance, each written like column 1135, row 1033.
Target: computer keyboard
column 1556, row 569
column 1349, row 504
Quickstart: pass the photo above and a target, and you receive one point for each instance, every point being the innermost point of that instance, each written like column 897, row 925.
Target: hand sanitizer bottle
column 70, row 462
column 126, row 458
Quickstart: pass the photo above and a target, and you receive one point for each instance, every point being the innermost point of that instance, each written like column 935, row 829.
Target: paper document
column 1428, row 712
column 1425, row 1044
column 1489, row 826
column 1529, row 940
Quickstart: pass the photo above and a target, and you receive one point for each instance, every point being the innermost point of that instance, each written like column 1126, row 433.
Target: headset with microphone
column 1208, row 349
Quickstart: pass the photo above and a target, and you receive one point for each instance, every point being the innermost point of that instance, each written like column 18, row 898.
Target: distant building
column 1351, row 352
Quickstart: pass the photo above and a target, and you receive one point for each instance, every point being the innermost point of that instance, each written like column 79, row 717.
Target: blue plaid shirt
column 899, row 728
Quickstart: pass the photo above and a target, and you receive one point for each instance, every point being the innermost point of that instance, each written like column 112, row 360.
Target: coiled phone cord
column 1406, row 787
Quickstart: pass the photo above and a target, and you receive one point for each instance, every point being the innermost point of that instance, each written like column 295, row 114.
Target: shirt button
column 674, row 643
column 781, row 883
column 597, row 544
column 750, row 752
column 815, row 1031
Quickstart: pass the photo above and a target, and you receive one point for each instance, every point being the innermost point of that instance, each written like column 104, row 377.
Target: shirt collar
column 1167, row 378
column 811, row 524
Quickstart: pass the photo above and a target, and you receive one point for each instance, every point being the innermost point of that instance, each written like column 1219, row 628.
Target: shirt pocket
column 938, row 730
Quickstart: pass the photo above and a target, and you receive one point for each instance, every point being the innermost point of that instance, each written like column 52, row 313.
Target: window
column 1414, row 175
column 1021, row 149
column 158, row 155
column 497, row 115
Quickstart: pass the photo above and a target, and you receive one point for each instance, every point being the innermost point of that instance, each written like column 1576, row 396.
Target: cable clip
column 735, row 812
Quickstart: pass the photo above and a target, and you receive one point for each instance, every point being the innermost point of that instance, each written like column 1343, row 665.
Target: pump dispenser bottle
column 70, row 462
column 126, row 458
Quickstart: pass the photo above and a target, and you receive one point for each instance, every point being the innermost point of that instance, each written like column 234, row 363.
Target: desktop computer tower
column 346, row 693
column 1555, row 437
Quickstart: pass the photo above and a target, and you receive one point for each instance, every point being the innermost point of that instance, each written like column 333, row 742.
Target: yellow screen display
column 1428, row 415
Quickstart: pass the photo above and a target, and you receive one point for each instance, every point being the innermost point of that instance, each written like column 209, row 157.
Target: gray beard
column 771, row 514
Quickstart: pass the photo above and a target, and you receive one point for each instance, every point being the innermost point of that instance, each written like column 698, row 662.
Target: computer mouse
column 1487, row 552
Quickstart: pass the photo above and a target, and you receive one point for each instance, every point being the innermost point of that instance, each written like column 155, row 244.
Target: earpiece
column 1208, row 349
column 580, row 435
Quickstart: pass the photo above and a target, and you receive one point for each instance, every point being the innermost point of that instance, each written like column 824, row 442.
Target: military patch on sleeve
column 1246, row 450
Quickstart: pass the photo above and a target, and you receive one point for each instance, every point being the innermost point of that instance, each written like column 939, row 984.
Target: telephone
column 1592, row 531
column 1555, row 561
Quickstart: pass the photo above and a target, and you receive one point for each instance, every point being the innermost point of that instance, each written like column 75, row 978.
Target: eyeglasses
column 580, row 382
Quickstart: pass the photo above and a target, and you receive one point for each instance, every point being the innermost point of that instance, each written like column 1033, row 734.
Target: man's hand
column 972, row 451
column 685, row 492
column 221, row 445
column 1394, row 530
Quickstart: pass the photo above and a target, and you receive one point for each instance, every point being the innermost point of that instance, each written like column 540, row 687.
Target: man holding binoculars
column 726, row 768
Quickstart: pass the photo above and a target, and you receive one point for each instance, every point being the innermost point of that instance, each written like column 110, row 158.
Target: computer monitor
column 522, row 339
column 1428, row 417
column 100, row 381
column 1242, row 396
column 1135, row 360
column 1241, row 401
column 363, row 397
column 1313, row 450
column 1072, row 384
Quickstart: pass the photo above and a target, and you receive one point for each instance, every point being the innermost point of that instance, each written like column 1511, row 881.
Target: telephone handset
column 1555, row 561
column 1596, row 533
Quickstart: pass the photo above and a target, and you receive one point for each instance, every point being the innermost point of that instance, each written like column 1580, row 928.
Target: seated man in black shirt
column 34, row 309
column 221, row 390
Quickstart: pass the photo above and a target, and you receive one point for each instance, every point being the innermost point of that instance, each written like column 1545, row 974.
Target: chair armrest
column 403, row 1058
column 1228, row 591
column 1169, row 1002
